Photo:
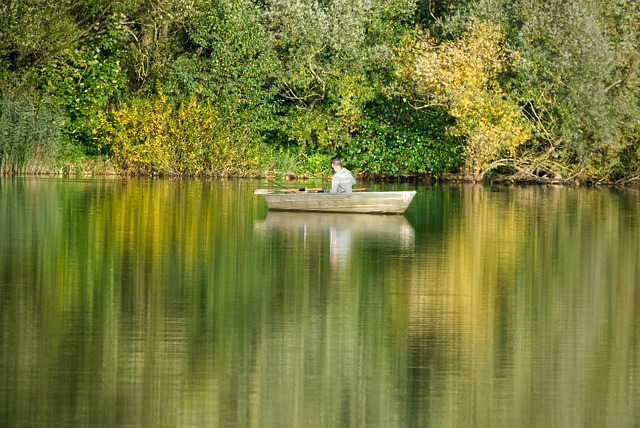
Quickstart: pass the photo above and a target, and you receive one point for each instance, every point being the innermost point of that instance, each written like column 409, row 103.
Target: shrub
column 158, row 135
column 394, row 139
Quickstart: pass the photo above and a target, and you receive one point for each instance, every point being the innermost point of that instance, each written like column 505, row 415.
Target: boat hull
column 362, row 202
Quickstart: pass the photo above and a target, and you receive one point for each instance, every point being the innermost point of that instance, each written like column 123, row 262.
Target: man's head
column 336, row 164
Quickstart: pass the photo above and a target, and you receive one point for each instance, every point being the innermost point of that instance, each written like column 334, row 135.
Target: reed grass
column 30, row 135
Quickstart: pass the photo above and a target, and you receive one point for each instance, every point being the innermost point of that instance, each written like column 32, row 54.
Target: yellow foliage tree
column 462, row 75
column 159, row 136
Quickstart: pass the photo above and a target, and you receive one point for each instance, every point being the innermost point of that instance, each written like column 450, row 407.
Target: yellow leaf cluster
column 157, row 135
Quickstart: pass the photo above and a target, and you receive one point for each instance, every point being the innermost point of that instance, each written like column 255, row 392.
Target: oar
column 320, row 189
column 277, row 184
column 267, row 191
column 357, row 189
column 287, row 190
column 303, row 190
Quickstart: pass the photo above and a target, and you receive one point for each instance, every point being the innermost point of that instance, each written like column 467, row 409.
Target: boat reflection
column 344, row 231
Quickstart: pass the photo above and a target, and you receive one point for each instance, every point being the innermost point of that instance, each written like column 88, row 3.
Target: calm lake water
column 139, row 303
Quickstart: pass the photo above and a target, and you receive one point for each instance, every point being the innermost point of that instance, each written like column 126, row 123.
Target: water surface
column 184, row 303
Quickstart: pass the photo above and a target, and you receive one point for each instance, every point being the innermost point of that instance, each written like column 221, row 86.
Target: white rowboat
column 361, row 202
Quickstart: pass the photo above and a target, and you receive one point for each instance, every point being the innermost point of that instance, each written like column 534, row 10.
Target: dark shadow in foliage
column 396, row 140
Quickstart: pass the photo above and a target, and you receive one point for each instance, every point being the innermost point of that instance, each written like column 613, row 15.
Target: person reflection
column 339, row 246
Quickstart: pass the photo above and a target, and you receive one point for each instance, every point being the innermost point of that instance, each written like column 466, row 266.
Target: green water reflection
column 184, row 303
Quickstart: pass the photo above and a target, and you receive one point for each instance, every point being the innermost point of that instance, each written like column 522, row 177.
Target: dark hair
column 336, row 161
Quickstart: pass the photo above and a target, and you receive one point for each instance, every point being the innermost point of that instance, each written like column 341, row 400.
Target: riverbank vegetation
column 525, row 90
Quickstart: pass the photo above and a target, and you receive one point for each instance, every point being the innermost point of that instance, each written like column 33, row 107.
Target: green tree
column 565, row 68
column 335, row 57
column 621, row 24
column 63, row 57
column 157, row 30
column 32, row 31
column 83, row 80
column 228, row 59
column 578, row 74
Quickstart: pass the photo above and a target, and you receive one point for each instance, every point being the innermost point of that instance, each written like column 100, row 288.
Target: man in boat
column 342, row 181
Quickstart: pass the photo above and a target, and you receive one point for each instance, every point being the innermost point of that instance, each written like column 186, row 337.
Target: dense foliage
column 157, row 135
column 523, row 89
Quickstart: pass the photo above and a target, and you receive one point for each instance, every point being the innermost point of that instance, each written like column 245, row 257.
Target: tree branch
column 617, row 82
